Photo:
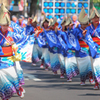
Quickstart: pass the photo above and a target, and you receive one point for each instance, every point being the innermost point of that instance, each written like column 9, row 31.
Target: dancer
column 30, row 29
column 43, row 44
column 93, row 30
column 9, row 78
column 82, row 51
column 70, row 60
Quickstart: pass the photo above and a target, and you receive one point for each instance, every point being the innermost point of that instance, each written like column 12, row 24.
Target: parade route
column 53, row 46
column 43, row 85
column 30, row 77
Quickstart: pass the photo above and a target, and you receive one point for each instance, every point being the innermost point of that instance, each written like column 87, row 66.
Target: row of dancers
column 73, row 50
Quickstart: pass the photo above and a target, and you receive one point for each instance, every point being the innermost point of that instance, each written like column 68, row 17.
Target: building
column 5, row 2
column 19, row 7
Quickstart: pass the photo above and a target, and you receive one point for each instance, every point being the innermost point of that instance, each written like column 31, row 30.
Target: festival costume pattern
column 81, row 54
column 36, row 55
column 53, row 49
column 95, row 56
column 13, row 81
column 13, row 27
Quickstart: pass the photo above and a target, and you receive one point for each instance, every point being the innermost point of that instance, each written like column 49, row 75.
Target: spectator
column 14, row 19
column 75, row 22
column 20, row 21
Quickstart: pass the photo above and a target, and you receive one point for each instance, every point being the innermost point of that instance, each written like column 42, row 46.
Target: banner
column 21, row 5
column 23, row 50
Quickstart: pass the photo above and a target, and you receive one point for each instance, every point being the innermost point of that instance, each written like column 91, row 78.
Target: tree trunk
column 33, row 7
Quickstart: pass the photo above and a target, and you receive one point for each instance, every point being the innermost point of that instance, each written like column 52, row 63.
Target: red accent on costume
column 40, row 30
column 7, row 51
column 83, row 44
column 97, row 40
column 4, row 14
column 10, row 39
column 84, row 15
column 10, row 29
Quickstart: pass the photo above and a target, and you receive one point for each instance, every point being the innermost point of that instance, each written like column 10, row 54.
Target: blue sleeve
column 73, row 31
column 97, row 32
column 42, row 40
column 92, row 45
column 89, row 31
column 16, row 27
column 79, row 25
column 29, row 30
column 77, row 33
column 64, row 36
column 80, row 36
column 72, row 37
column 18, row 37
column 69, row 30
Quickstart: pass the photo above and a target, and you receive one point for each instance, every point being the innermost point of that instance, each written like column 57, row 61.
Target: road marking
column 26, row 79
column 36, row 79
column 31, row 77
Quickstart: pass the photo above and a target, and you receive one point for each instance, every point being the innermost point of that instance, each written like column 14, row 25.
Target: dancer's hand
column 84, row 32
column 29, row 21
column 71, row 25
column 36, row 33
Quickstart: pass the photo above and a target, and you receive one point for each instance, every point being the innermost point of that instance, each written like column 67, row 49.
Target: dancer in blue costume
column 53, row 44
column 36, row 49
column 62, row 36
column 69, row 58
column 94, row 31
column 61, row 54
column 82, row 49
column 17, row 66
column 14, row 27
column 62, row 39
column 42, row 42
column 9, row 83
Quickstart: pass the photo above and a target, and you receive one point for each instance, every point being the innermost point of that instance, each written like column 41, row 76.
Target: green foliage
column 37, row 2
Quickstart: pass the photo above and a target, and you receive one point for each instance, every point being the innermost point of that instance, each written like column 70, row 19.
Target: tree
column 33, row 7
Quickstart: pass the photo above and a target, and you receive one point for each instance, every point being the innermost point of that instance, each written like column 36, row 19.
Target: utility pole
column 25, row 8
column 33, row 7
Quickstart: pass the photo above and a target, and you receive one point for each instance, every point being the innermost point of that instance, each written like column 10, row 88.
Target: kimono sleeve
column 92, row 45
column 16, row 28
column 72, row 38
column 29, row 30
column 62, row 40
column 18, row 38
column 64, row 36
column 41, row 40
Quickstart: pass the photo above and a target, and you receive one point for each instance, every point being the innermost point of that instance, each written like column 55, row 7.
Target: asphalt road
column 43, row 85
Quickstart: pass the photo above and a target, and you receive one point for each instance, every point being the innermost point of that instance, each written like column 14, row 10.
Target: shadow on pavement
column 89, row 94
column 53, row 81
column 61, row 86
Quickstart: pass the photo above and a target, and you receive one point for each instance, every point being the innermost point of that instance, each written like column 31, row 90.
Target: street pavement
column 43, row 85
